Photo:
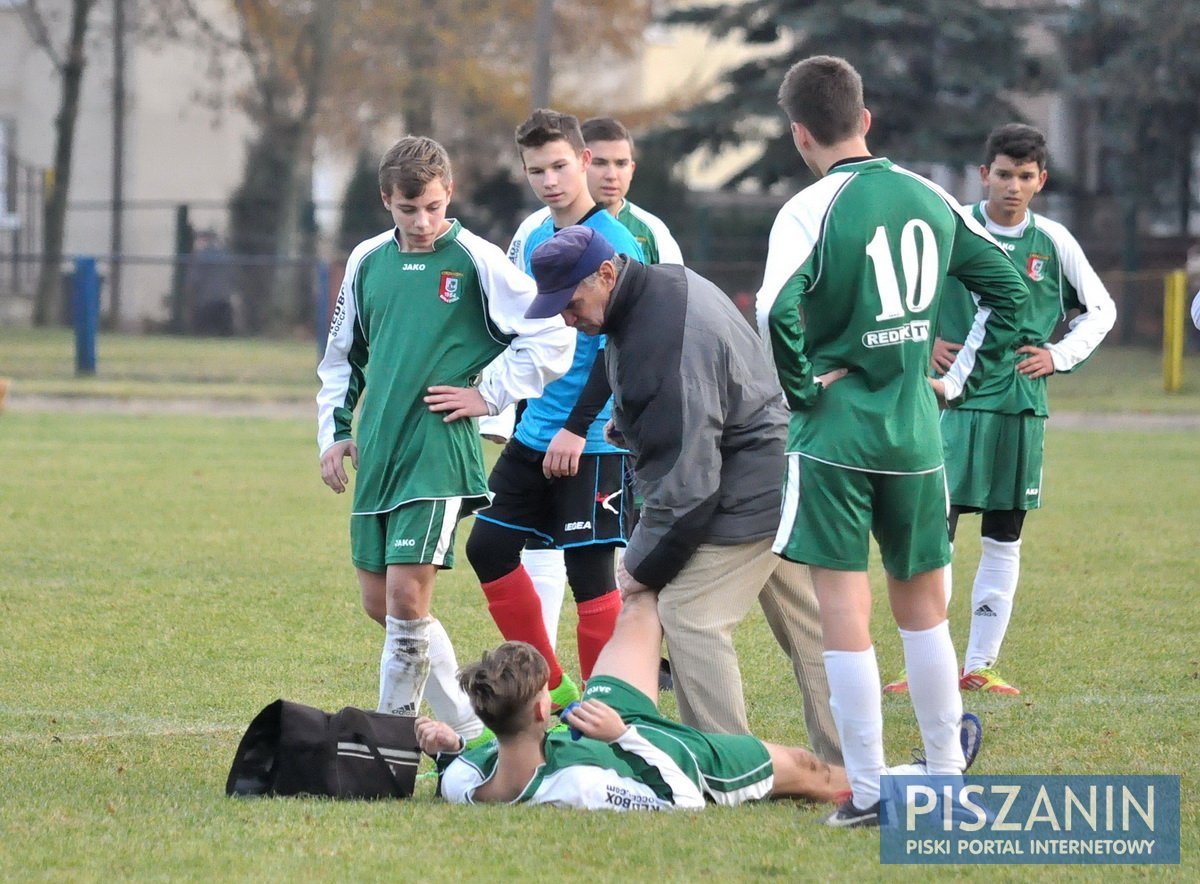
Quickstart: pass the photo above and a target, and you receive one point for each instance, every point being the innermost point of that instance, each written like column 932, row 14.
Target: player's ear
column 1042, row 176
column 449, row 191
column 585, row 158
column 866, row 122
column 984, row 172
column 386, row 197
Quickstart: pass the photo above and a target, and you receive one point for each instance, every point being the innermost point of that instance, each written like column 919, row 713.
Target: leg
column 699, row 610
column 790, row 606
column 404, row 663
column 373, row 585
column 594, row 584
column 995, row 586
column 845, row 604
column 919, row 607
column 494, row 551
column 800, row 774
column 633, row 651
column 549, row 576
column 443, row 693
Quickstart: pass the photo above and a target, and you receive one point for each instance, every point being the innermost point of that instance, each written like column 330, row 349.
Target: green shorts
column 418, row 533
column 829, row 513
column 727, row 768
column 993, row 461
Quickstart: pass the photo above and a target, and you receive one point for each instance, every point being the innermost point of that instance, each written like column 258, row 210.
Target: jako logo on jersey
column 1036, row 268
column 412, row 267
column 450, row 285
column 917, row 330
column 605, row 500
column 405, row 541
column 577, row 526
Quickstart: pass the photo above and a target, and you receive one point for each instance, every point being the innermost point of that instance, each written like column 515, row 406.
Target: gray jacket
column 701, row 409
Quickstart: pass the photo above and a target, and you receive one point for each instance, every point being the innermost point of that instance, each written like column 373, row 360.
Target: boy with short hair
column 994, row 441
column 558, row 482
column 852, row 285
column 430, row 319
column 624, row 755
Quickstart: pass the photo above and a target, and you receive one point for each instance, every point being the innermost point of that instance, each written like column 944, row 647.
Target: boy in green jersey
column 623, row 754
column 994, row 441
column 430, row 319
column 851, row 291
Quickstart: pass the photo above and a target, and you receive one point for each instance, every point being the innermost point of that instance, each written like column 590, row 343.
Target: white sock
column 933, row 687
column 857, row 709
column 948, row 578
column 992, row 601
column 549, row 575
column 403, row 665
column 447, row 700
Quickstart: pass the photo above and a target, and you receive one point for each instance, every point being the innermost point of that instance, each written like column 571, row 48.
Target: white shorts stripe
column 791, row 503
column 446, row 532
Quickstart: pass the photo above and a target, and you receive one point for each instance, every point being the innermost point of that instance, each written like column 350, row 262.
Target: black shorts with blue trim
column 587, row 508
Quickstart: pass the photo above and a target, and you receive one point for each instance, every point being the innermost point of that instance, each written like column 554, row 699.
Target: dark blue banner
column 1029, row 819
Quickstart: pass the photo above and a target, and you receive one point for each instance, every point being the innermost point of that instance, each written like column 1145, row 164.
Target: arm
column 562, row 456
column 981, row 265
column 1097, row 314
column 342, row 380
column 541, row 350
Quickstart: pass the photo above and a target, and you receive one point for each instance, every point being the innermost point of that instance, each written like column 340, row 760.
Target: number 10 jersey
column 854, row 278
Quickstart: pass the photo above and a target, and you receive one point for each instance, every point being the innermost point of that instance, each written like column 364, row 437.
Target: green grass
column 42, row 362
column 163, row 578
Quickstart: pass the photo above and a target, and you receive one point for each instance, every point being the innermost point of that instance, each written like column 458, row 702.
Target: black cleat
column 847, row 816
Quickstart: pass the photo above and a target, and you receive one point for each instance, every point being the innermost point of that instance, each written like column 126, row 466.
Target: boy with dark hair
column 558, row 482
column 624, row 755
column 853, row 280
column 430, row 318
column 994, row 442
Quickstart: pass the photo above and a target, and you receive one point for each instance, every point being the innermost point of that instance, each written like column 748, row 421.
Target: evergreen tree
column 363, row 215
column 935, row 75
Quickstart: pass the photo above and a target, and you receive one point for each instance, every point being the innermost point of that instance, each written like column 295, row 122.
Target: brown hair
column 411, row 163
column 824, row 94
column 605, row 129
column 545, row 126
column 503, row 684
column 1023, row 143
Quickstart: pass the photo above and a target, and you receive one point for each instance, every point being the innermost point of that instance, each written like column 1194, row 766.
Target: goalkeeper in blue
column 621, row 755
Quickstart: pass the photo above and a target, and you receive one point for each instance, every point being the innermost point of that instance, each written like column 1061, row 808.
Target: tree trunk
column 48, row 303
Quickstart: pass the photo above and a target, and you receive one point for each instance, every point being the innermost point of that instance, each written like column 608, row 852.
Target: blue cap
column 561, row 263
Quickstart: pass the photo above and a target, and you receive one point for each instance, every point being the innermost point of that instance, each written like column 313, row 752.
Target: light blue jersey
column 545, row 416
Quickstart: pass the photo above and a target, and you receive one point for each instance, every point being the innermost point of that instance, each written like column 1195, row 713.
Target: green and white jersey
column 854, row 277
column 630, row 773
column 652, row 234
column 405, row 321
column 1060, row 280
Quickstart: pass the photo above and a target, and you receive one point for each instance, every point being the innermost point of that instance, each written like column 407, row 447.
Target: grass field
column 163, row 578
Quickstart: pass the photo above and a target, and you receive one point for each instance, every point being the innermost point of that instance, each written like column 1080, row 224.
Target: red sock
column 597, row 617
column 517, row 610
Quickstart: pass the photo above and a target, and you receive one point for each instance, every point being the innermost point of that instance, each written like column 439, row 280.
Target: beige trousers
column 701, row 607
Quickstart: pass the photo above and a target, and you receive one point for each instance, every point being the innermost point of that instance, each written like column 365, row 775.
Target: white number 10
column 920, row 265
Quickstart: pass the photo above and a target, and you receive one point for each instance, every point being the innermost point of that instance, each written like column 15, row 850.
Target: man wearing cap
column 697, row 403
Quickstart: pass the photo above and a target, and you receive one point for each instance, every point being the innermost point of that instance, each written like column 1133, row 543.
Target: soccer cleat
column 970, row 736
column 847, row 816
column 564, row 694
column 987, row 680
column 899, row 686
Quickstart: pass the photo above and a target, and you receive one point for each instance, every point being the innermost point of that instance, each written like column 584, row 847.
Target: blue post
column 86, row 304
column 322, row 312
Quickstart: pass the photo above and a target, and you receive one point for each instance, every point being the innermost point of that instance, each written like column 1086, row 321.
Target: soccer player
column 430, row 319
column 993, row 442
column 609, row 176
column 558, row 482
column 626, row 756
column 854, row 273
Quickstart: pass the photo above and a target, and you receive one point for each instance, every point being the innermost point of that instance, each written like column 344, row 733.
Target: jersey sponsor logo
column 597, row 689
column 1008, row 246
column 403, row 542
column 624, row 800
column 412, row 266
column 577, row 526
column 605, row 500
column 514, row 249
column 339, row 314
column 1032, row 492
column 1035, row 268
column 450, row 286
column 916, row 330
